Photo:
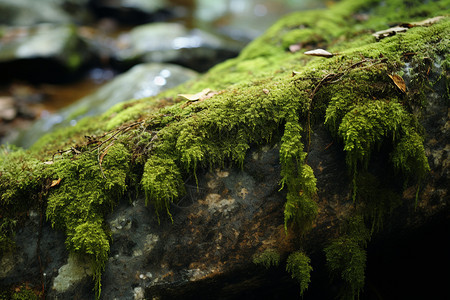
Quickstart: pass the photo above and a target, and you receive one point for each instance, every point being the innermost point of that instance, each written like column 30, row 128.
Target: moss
column 268, row 258
column 162, row 183
column 25, row 293
column 266, row 95
column 23, row 183
column 346, row 257
column 298, row 264
column 86, row 192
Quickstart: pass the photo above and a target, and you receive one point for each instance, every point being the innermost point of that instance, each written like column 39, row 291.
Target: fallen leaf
column 404, row 27
column 319, row 52
column 266, row 91
column 389, row 32
column 197, row 96
column 427, row 22
column 55, row 182
column 399, row 82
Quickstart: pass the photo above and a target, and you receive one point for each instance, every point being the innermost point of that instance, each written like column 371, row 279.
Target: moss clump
column 346, row 257
column 87, row 191
column 299, row 178
column 268, row 258
column 162, row 183
column 23, row 184
column 298, row 264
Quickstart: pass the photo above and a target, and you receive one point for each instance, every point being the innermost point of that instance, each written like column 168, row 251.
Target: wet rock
column 172, row 42
column 246, row 20
column 29, row 12
column 38, row 254
column 42, row 52
column 141, row 81
column 131, row 11
column 8, row 110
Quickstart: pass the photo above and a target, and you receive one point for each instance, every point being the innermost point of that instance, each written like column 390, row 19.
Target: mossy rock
column 370, row 95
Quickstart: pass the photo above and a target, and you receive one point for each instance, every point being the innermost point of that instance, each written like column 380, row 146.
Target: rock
column 131, row 11
column 244, row 21
column 71, row 273
column 172, row 42
column 55, row 51
column 8, row 111
column 26, row 12
column 141, row 81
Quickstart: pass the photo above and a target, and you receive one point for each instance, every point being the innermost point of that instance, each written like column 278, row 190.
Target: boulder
column 174, row 43
column 143, row 80
column 27, row 13
column 274, row 175
column 44, row 52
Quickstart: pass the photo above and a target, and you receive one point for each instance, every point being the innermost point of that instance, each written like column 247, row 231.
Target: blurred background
column 56, row 52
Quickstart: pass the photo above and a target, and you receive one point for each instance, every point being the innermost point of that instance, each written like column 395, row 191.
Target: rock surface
column 172, row 42
column 144, row 80
column 52, row 51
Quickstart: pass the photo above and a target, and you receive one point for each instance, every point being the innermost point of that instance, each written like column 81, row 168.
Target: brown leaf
column 55, row 182
column 319, row 52
column 399, row 82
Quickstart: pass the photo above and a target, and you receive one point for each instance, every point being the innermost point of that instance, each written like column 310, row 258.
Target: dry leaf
column 404, row 27
column 389, row 32
column 427, row 22
column 194, row 97
column 55, row 182
column 319, row 52
column 399, row 82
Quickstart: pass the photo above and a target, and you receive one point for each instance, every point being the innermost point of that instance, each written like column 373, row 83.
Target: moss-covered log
column 370, row 93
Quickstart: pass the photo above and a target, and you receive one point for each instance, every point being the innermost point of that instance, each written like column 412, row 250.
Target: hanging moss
column 162, row 183
column 86, row 192
column 268, row 258
column 346, row 257
column 298, row 264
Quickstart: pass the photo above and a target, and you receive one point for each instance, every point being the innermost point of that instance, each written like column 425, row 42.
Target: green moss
column 23, row 183
column 346, row 257
column 298, row 264
column 268, row 258
column 88, row 190
column 257, row 100
column 162, row 183
column 378, row 198
column 24, row 293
